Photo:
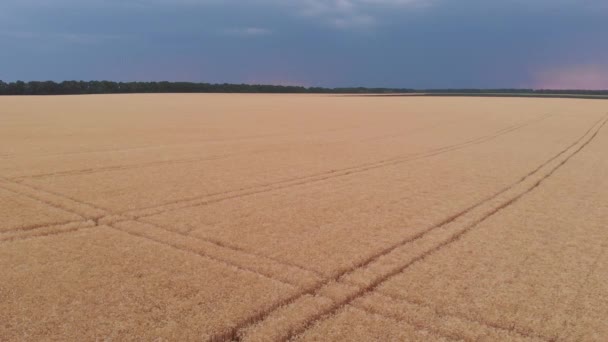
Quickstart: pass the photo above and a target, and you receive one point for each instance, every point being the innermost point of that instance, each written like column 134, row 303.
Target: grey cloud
column 247, row 31
column 437, row 43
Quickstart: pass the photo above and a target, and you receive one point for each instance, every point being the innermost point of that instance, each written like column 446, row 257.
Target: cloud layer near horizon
column 392, row 43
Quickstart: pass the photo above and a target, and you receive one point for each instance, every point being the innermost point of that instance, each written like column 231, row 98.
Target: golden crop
column 303, row 217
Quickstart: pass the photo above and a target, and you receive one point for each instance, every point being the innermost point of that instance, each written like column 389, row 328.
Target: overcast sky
column 388, row 43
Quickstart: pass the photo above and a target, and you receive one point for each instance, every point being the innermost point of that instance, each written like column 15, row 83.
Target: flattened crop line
column 137, row 166
column 564, row 150
column 200, row 254
column 118, row 167
column 402, row 133
column 366, row 166
column 63, row 196
column 42, row 234
column 46, row 231
column 498, row 133
column 236, row 332
column 39, row 226
column 52, row 193
column 297, row 181
column 511, row 329
column 152, row 147
column 234, row 248
column 62, row 208
column 461, row 213
column 139, row 148
column 380, row 280
column 96, row 220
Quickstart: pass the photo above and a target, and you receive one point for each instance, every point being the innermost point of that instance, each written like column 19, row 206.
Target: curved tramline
column 339, row 218
column 363, row 287
column 207, row 199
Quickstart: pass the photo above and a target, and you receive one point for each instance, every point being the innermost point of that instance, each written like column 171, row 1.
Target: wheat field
column 303, row 217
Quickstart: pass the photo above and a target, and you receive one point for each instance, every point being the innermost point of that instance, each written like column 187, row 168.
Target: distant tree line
column 517, row 91
column 109, row 87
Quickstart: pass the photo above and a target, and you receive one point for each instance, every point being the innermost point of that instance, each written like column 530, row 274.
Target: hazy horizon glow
column 375, row 43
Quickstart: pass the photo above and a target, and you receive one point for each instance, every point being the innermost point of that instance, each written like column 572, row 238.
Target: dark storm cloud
column 396, row 43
